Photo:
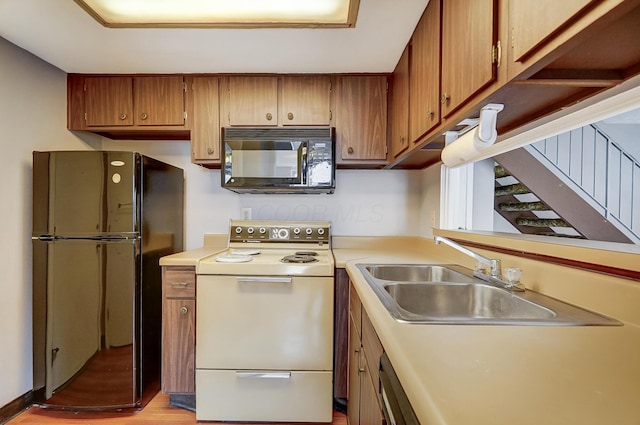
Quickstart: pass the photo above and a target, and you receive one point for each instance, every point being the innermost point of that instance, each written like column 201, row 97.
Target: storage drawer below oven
column 264, row 396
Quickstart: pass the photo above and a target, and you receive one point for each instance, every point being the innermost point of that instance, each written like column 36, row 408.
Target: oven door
column 264, row 163
column 264, row 323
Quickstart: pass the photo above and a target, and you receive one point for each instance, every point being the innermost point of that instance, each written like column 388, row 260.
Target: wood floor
column 157, row 412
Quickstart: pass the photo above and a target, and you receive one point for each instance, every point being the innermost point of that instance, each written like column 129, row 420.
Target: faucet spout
column 494, row 264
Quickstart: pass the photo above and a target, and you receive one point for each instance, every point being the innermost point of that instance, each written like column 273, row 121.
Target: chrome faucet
column 495, row 275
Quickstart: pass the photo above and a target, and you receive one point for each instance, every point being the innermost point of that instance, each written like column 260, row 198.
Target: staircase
column 537, row 201
column 519, row 206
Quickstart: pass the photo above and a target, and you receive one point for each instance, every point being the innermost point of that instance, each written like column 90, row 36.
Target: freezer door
column 85, row 193
column 85, row 298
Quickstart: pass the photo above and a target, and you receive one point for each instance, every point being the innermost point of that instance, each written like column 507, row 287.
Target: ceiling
column 61, row 33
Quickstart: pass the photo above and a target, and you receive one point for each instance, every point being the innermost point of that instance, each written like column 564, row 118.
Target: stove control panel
column 279, row 232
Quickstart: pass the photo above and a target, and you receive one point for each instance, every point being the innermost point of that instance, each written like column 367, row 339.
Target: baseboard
column 11, row 409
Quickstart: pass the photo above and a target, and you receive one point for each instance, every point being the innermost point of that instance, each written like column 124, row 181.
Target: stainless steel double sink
column 449, row 294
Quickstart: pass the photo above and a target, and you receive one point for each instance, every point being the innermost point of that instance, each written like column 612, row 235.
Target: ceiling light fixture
column 223, row 13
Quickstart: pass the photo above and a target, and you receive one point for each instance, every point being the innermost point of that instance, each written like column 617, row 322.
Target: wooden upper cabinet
column 305, row 100
column 204, row 110
column 549, row 16
column 469, row 37
column 252, row 101
column 424, row 71
column 361, row 118
column 159, row 100
column 108, row 101
column 277, row 101
column 399, row 107
column 134, row 101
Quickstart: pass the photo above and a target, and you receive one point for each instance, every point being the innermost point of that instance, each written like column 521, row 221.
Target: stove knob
column 283, row 234
column 238, row 229
column 262, row 230
column 250, row 230
column 309, row 230
column 296, row 231
column 321, row 231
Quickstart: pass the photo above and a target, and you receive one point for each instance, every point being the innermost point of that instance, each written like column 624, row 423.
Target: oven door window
column 263, row 163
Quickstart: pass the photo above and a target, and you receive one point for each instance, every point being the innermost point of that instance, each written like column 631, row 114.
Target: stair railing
column 600, row 168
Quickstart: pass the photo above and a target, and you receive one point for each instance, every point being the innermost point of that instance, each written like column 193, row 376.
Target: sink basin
column 461, row 301
column 450, row 294
column 417, row 273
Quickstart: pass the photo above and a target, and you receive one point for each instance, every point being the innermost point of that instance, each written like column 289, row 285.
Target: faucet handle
column 481, row 267
column 513, row 275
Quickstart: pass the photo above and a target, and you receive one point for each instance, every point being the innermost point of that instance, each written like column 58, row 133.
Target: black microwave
column 278, row 159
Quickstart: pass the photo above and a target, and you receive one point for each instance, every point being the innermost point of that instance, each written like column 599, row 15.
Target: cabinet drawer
column 179, row 282
column 372, row 348
column 264, row 396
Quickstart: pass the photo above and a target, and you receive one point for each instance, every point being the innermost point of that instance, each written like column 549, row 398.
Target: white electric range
column 264, row 325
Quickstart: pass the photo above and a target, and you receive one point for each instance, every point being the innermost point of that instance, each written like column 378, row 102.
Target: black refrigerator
column 101, row 222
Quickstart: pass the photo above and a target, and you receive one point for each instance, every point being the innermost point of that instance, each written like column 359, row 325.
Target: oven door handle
column 264, row 375
column 254, row 279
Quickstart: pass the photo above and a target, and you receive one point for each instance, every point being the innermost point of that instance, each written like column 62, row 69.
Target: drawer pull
column 264, row 375
column 179, row 284
column 252, row 279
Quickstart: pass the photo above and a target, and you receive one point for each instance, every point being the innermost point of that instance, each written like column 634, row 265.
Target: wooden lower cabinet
column 178, row 329
column 365, row 349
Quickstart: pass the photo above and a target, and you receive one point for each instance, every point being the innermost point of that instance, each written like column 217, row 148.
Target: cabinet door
column 108, row 101
column 361, row 118
column 159, row 100
column 355, row 367
column 548, row 15
column 399, row 106
column 341, row 334
column 178, row 345
column 205, row 117
column 424, row 72
column 305, row 100
column 253, row 101
column 370, row 410
column 469, row 32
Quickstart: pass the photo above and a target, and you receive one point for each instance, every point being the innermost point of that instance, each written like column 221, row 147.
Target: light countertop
column 213, row 243
column 478, row 374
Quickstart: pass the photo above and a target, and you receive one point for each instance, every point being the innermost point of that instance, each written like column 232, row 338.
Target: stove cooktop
column 273, row 248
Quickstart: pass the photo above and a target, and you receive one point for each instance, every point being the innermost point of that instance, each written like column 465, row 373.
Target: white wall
column 32, row 117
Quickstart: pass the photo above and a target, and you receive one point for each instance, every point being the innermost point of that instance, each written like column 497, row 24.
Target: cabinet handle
column 444, row 98
column 179, row 284
column 290, row 116
column 184, row 310
column 430, row 113
column 144, row 116
column 402, row 139
column 123, row 116
column 210, row 151
column 269, row 116
column 349, row 150
column 264, row 375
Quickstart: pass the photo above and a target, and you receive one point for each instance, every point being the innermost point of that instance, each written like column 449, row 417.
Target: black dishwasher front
column 395, row 404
